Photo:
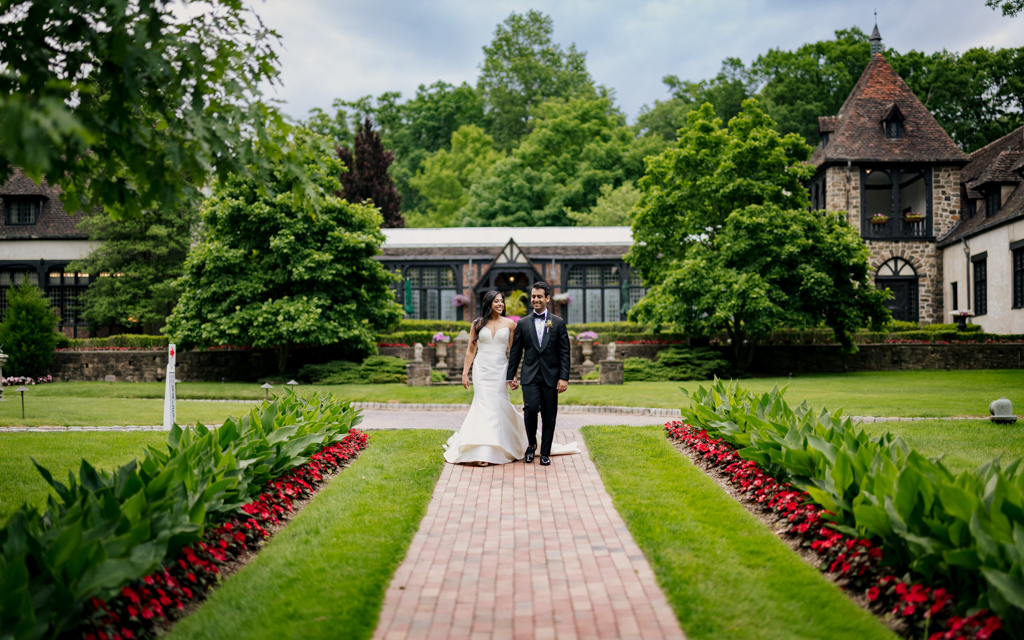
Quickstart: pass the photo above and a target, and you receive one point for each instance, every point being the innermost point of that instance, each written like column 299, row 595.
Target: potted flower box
column 961, row 316
column 879, row 218
column 913, row 217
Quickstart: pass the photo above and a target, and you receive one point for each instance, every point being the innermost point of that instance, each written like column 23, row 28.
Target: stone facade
column 842, row 192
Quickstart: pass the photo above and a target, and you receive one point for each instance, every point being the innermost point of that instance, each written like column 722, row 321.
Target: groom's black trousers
column 540, row 398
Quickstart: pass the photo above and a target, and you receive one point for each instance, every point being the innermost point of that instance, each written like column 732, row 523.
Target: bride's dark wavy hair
column 485, row 312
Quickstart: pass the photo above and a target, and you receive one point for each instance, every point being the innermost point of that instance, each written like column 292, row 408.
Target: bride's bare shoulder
column 511, row 324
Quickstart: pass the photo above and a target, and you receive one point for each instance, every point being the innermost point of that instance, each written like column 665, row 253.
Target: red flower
column 873, row 594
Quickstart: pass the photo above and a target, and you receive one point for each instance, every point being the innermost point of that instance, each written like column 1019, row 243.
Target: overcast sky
column 349, row 48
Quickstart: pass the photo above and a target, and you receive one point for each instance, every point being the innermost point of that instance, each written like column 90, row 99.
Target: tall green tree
column 366, row 176
column 270, row 274
column 445, row 177
column 126, row 106
column 614, row 207
column 139, row 260
column 574, row 148
column 724, row 238
column 523, row 68
column 27, row 333
column 1008, row 7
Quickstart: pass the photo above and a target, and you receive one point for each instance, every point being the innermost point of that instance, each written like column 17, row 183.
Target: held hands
column 513, row 384
column 563, row 385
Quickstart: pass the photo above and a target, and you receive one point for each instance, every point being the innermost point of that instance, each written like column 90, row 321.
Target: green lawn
column 965, row 444
column 725, row 574
column 325, row 574
column 20, row 482
column 60, row 410
column 888, row 393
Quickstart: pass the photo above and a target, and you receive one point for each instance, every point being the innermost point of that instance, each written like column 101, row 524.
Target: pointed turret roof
column 858, row 134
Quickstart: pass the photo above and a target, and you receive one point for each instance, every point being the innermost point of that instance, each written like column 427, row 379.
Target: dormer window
column 972, row 207
column 22, row 211
column 824, row 138
column 993, row 201
column 893, row 123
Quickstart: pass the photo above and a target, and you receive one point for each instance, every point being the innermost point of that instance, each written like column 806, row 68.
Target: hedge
column 965, row 532
column 108, row 529
column 127, row 340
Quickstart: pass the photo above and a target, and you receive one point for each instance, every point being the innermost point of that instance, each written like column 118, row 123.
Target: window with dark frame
column 433, row 289
column 954, row 298
column 972, row 207
column 597, row 291
column 1018, row 277
column 14, row 277
column 993, row 201
column 980, row 286
column 23, row 211
column 66, row 290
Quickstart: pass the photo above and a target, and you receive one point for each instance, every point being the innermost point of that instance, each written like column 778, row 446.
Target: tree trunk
column 742, row 353
column 282, row 351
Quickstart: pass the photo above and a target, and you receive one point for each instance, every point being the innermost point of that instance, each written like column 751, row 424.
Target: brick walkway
column 524, row 551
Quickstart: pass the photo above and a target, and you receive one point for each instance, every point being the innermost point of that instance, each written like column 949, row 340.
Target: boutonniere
column 548, row 324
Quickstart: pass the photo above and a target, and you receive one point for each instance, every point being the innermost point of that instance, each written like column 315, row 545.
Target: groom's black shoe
column 545, row 461
column 529, row 454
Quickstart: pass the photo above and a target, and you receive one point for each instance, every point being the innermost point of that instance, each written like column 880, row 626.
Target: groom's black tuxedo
column 545, row 362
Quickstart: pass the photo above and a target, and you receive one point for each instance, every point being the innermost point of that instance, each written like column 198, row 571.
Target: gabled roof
column 511, row 256
column 859, row 135
column 996, row 164
column 53, row 223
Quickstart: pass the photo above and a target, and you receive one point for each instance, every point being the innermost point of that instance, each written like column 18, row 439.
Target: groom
column 542, row 342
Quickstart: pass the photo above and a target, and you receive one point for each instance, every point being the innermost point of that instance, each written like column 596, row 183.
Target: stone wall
column 250, row 365
column 926, row 259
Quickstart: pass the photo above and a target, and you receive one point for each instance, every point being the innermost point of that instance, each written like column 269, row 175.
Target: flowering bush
column 855, row 563
column 440, row 337
column 141, row 608
column 460, row 300
column 13, row 380
column 587, row 335
column 962, row 313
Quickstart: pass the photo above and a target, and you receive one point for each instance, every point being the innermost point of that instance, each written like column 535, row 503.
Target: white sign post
column 170, row 410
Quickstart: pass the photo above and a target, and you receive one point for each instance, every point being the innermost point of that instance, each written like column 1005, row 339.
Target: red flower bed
column 392, row 344
column 854, row 563
column 150, row 603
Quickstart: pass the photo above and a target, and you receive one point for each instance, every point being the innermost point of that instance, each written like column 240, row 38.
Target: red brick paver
column 525, row 551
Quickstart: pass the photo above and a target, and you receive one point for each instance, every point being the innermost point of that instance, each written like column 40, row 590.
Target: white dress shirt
column 538, row 325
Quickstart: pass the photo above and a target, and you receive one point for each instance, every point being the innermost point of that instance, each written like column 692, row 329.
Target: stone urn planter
column 587, row 346
column 441, row 349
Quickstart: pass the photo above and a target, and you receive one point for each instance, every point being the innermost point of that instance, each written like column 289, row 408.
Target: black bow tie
column 540, row 315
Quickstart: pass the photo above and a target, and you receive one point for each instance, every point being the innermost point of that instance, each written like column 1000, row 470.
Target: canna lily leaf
column 1009, row 587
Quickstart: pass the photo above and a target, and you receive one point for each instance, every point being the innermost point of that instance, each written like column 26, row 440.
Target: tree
column 269, row 274
column 1009, row 7
column 366, row 177
column 725, row 239
column 141, row 258
column 522, row 69
column 332, row 127
column 126, row 106
column 613, row 208
column 445, row 177
column 27, row 334
column 575, row 147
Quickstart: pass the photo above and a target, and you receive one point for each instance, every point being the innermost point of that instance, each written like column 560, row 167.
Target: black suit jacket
column 548, row 358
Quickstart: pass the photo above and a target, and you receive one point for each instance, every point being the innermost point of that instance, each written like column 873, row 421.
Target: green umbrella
column 408, row 297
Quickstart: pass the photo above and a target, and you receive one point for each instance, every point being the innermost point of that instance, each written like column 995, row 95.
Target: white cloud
column 348, row 49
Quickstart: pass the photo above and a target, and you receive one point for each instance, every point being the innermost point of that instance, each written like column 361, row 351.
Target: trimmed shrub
column 124, row 341
column 676, row 363
column 373, row 370
column 28, row 333
column 431, row 326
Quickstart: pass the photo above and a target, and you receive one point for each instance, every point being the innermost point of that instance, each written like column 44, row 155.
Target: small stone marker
column 110, row 379
column 417, row 372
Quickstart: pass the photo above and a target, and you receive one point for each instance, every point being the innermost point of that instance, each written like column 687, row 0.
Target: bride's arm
column 470, row 354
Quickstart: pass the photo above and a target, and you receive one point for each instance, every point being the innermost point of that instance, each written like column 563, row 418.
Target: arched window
column 431, row 290
column 900, row 278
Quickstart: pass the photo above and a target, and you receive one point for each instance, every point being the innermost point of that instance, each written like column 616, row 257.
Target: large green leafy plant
column 964, row 531
column 272, row 273
column 27, row 334
column 105, row 529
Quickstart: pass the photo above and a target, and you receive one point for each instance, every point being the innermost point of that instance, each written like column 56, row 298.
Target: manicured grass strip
column 20, row 482
column 69, row 411
column 883, row 393
column 325, row 574
column 724, row 572
column 964, row 445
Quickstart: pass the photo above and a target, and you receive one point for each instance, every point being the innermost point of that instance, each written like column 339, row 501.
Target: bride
column 493, row 431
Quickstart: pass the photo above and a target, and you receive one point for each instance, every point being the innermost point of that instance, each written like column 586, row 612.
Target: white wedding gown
column 493, row 431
